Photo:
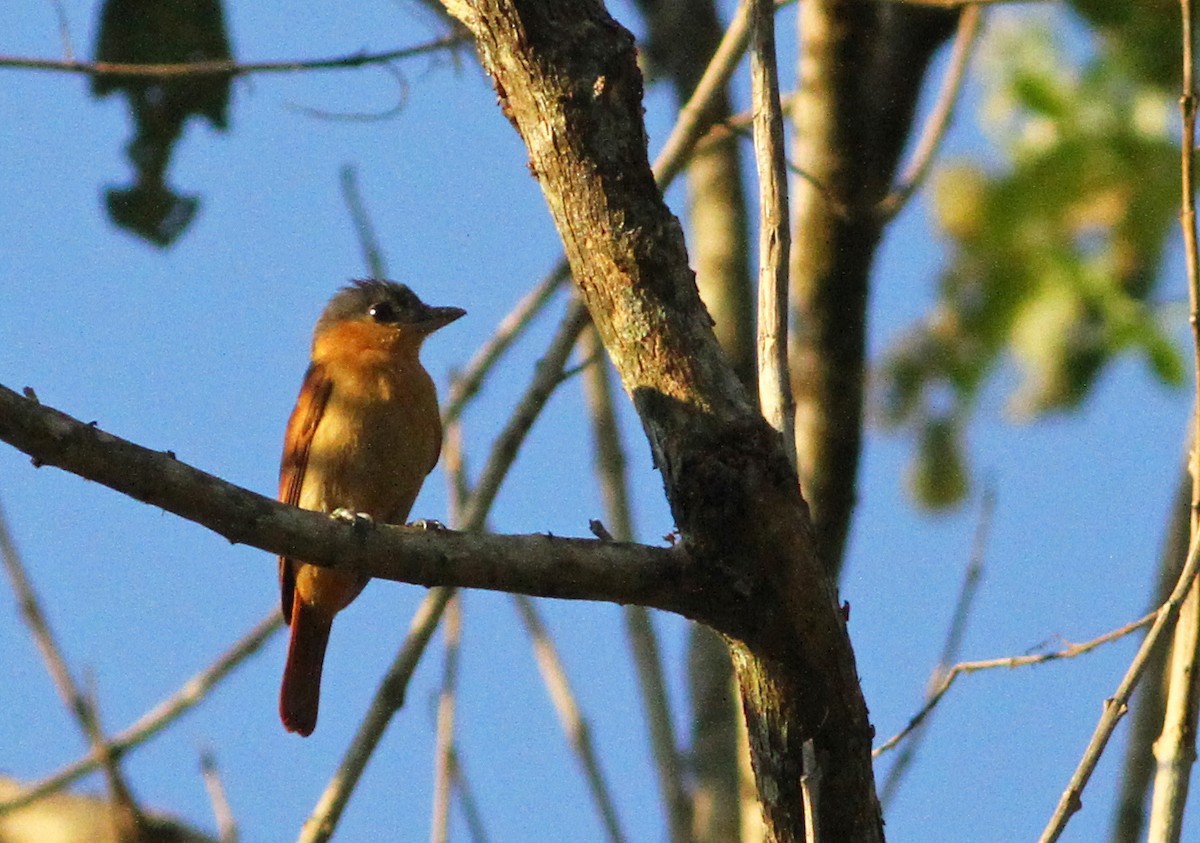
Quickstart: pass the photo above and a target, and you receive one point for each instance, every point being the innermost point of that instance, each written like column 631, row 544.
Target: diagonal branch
column 154, row 721
column 127, row 816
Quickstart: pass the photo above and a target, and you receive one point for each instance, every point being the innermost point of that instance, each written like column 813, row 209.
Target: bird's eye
column 382, row 312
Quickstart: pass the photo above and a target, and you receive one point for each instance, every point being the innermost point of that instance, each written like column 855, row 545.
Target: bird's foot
column 360, row 521
column 427, row 524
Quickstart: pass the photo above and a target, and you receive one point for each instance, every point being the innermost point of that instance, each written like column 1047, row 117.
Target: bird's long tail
column 301, row 691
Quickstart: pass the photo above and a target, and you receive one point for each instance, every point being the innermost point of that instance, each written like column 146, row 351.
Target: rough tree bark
column 567, row 77
column 682, row 37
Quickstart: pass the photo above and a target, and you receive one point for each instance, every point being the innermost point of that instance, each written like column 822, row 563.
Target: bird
column 364, row 434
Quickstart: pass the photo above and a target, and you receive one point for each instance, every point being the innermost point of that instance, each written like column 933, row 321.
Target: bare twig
column 1010, row 661
column 467, row 384
column 1129, row 815
column 368, row 240
column 694, row 118
column 361, row 116
column 1116, row 705
column 774, row 383
column 388, row 698
column 610, row 470
column 444, row 749
column 954, row 636
column 126, row 814
column 227, row 829
column 158, row 718
column 573, row 722
column 938, row 120
column 230, row 68
column 1175, row 749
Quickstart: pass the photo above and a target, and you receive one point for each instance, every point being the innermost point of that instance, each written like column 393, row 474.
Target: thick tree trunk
column 567, row 78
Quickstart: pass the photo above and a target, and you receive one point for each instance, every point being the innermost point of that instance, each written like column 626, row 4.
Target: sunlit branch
column 1116, row 705
column 227, row 829
column 1175, row 749
column 444, row 744
column 938, row 121
column 573, row 723
column 774, row 383
column 388, row 699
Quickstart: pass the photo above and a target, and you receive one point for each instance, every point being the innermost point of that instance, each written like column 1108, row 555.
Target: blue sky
column 200, row 349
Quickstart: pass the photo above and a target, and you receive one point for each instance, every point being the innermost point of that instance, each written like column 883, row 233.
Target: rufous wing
column 310, row 406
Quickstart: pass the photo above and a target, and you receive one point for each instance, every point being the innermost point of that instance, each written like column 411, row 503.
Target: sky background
column 200, row 349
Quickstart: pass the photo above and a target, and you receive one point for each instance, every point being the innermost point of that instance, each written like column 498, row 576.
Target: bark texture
column 567, row 77
column 682, row 37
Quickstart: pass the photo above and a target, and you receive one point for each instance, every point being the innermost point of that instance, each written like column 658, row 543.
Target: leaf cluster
column 1053, row 256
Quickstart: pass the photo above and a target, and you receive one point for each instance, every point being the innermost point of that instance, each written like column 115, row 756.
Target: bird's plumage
column 364, row 434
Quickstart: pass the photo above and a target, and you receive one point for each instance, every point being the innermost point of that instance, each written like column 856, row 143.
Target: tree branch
column 537, row 565
column 228, row 68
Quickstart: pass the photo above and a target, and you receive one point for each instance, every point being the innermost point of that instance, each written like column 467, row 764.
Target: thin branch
column 694, row 118
column 64, row 30
column 230, row 68
column 573, row 722
column 158, row 718
column 938, row 121
column 774, row 382
column 368, row 240
column 1116, row 705
column 127, row 814
column 444, row 748
column 954, row 637
column 467, row 384
column 387, row 700
column 361, row 116
column 810, row 787
column 1010, row 661
column 227, row 829
column 1175, row 749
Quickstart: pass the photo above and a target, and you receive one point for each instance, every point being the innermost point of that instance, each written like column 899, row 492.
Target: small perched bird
column 364, row 434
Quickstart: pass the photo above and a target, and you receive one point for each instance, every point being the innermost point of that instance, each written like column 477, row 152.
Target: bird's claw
column 360, row 521
column 428, row 524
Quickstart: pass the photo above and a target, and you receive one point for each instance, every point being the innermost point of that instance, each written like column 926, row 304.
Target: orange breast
column 378, row 437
